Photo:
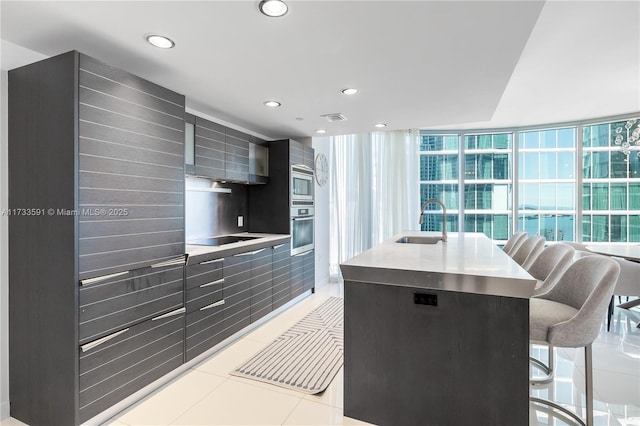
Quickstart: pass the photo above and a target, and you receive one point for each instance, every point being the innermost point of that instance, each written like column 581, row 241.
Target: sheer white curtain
column 374, row 191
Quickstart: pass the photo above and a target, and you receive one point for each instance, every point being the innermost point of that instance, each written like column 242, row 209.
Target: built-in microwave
column 301, row 185
column 302, row 222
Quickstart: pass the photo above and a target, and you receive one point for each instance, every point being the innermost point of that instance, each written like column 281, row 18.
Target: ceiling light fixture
column 272, row 104
column 380, row 125
column 160, row 41
column 321, row 131
column 273, row 8
column 350, row 91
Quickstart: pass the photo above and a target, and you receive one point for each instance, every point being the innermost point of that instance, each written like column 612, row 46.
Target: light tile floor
column 208, row 395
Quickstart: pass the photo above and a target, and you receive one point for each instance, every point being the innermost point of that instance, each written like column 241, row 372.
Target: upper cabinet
column 210, row 149
column 221, row 153
column 300, row 154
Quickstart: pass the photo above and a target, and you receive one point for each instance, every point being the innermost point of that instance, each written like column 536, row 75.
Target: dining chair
column 549, row 266
column 514, row 242
column 569, row 315
column 576, row 246
column 529, row 249
column 628, row 284
column 547, row 269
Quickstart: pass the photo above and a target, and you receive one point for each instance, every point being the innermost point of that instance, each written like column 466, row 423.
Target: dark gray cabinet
column 261, row 283
column 210, row 149
column 236, row 159
column 122, row 363
column 119, row 301
column 302, row 273
column 205, row 306
column 308, row 157
column 101, row 153
column 281, row 274
column 222, row 153
column 237, row 293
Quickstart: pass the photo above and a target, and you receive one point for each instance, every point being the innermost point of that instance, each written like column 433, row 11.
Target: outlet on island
column 240, row 221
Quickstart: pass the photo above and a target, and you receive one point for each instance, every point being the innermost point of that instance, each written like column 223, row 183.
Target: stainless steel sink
column 419, row 240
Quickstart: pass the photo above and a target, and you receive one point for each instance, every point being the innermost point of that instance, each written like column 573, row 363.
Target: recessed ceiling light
column 160, row 41
column 321, row 131
column 272, row 104
column 273, row 8
column 350, row 91
column 380, row 125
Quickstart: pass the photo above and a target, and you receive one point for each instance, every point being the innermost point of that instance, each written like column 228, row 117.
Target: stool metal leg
column 548, row 370
column 588, row 393
column 588, row 375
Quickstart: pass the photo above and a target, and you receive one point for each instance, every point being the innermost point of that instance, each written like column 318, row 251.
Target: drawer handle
column 213, row 305
column 221, row 280
column 303, row 254
column 178, row 261
column 211, row 261
column 102, row 278
column 102, row 340
column 249, row 253
column 278, row 246
column 170, row 314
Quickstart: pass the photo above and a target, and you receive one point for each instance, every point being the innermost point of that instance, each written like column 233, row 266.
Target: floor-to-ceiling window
column 547, row 183
column 552, row 194
column 610, row 184
column 439, row 174
column 487, row 184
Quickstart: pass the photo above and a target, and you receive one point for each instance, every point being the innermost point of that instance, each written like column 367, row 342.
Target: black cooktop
column 218, row 241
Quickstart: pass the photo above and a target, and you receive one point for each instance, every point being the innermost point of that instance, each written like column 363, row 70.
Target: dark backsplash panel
column 214, row 213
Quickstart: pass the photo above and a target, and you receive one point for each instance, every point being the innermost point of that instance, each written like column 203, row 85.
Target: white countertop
column 468, row 262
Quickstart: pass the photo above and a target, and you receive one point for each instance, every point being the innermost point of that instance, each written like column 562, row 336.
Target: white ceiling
column 418, row 64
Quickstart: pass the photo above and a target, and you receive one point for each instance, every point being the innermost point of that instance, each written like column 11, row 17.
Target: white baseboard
column 4, row 410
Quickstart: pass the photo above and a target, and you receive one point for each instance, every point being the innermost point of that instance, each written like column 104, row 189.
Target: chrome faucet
column 444, row 216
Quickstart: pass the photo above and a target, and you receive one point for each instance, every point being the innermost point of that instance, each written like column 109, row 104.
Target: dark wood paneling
column 108, row 102
column 297, row 276
column 204, row 273
column 209, row 148
column 296, row 152
column 442, row 357
column 281, row 275
column 204, row 330
column 261, row 284
column 117, row 368
column 309, row 270
column 92, row 114
column 91, row 229
column 131, row 154
column 43, row 323
column 126, row 79
column 99, row 264
column 237, row 293
column 308, row 156
column 236, row 155
column 128, row 94
column 128, row 139
column 115, row 303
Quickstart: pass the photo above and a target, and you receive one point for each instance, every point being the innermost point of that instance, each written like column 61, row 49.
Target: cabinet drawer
column 204, row 273
column 108, row 304
column 205, row 295
column 297, row 275
column 114, row 367
column 237, row 293
column 281, row 275
column 204, row 329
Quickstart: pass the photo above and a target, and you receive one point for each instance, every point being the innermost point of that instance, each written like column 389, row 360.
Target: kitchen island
column 436, row 334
